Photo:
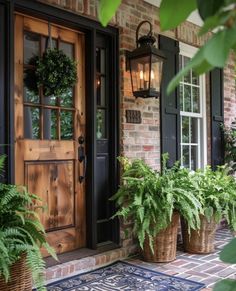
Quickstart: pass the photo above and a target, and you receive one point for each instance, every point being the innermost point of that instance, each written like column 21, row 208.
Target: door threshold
column 84, row 260
column 79, row 254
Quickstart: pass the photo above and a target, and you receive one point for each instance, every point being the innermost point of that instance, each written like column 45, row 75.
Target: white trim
column 191, row 114
column 193, row 17
column 189, row 51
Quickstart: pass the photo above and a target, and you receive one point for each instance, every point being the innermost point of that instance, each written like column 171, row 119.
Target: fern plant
column 21, row 232
column 216, row 190
column 149, row 198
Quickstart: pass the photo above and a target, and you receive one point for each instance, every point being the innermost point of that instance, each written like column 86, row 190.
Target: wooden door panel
column 54, row 184
column 49, row 166
column 63, row 240
column 62, row 190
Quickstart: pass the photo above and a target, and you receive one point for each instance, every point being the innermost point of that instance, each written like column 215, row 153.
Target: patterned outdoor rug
column 124, row 276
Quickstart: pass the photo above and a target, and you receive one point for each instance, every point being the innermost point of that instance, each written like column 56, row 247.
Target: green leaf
column 173, row 12
column 217, row 49
column 209, row 213
column 209, row 7
column 228, row 254
column 107, row 9
column 196, row 61
column 225, row 285
column 210, row 23
column 213, row 54
column 202, row 68
column 215, row 21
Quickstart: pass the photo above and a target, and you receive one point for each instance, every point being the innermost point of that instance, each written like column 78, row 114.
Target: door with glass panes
column 47, row 129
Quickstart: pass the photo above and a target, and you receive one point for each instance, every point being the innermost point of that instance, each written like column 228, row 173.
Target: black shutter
column 217, row 117
column 169, row 104
column 2, row 86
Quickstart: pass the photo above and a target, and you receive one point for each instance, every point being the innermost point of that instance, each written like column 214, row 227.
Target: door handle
column 82, row 158
column 82, row 177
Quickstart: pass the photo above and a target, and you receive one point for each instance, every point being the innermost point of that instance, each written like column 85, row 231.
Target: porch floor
column 207, row 269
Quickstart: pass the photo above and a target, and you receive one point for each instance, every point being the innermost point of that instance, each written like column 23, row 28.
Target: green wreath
column 55, row 72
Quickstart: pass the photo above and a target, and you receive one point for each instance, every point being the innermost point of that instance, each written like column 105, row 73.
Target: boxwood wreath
column 55, row 72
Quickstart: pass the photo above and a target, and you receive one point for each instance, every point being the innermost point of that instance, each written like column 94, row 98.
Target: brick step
column 74, row 267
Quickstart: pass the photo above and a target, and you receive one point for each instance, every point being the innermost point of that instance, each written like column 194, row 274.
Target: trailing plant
column 55, row 72
column 149, row 198
column 230, row 145
column 216, row 190
column 21, row 232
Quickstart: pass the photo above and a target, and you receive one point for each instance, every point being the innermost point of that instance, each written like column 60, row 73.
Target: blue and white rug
column 124, row 276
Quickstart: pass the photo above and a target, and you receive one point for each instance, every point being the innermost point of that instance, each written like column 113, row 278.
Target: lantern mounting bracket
column 148, row 39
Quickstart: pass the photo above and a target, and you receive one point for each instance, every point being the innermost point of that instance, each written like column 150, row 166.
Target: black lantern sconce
column 145, row 65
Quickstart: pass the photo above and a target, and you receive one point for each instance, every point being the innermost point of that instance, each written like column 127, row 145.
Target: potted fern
column 21, row 237
column 216, row 191
column 154, row 201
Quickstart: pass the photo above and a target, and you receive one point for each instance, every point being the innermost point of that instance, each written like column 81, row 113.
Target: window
column 101, row 92
column 192, row 114
column 45, row 117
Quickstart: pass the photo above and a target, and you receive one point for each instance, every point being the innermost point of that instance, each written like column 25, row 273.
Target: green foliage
column 219, row 15
column 225, row 285
column 216, row 190
column 172, row 13
column 21, row 232
column 230, row 146
column 30, row 79
column 56, row 72
column 228, row 254
column 208, row 8
column 149, row 198
column 216, row 14
column 107, row 9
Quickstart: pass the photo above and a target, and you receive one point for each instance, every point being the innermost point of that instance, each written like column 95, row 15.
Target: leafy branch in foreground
column 227, row 255
column 217, row 15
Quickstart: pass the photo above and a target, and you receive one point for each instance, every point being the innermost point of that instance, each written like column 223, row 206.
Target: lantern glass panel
column 156, row 73
column 140, row 70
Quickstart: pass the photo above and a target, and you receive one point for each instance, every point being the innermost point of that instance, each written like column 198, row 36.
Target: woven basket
column 201, row 241
column 20, row 279
column 164, row 243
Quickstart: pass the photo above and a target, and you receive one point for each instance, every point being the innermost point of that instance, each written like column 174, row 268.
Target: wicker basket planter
column 201, row 241
column 165, row 244
column 20, row 280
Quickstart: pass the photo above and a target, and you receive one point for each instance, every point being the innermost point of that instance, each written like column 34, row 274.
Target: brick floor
column 201, row 268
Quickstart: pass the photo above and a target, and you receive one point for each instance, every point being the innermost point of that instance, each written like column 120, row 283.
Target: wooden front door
column 47, row 129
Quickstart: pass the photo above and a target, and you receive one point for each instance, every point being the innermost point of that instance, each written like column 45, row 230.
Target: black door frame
column 90, row 28
column 6, row 88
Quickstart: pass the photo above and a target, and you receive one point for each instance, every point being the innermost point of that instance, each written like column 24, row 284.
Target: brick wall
column 143, row 140
column 229, row 91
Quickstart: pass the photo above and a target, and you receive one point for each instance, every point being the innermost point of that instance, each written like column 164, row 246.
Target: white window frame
column 189, row 51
